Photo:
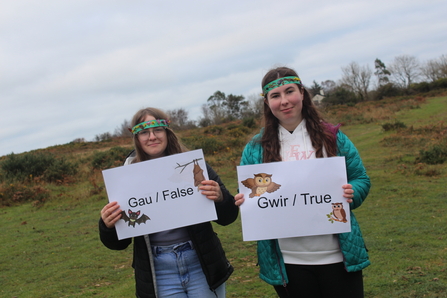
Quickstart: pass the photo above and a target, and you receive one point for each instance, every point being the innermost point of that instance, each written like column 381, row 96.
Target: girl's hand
column 211, row 190
column 110, row 214
column 239, row 199
column 348, row 192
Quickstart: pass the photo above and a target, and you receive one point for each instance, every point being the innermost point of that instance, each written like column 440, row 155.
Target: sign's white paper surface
column 300, row 198
column 163, row 190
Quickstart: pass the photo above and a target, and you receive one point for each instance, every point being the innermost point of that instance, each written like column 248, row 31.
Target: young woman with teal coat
column 311, row 266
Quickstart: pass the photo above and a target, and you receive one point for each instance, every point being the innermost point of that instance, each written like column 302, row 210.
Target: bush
column 388, row 90
column 340, row 96
column 421, row 87
column 236, row 142
column 238, row 132
column 393, row 126
column 242, row 128
column 108, row 159
column 13, row 194
column 435, row 155
column 249, row 122
column 214, row 130
column 29, row 165
column 59, row 169
column 205, row 122
column 107, row 136
column 439, row 84
column 20, row 167
column 209, row 144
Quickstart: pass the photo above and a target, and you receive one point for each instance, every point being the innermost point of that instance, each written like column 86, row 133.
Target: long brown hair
column 318, row 130
column 174, row 145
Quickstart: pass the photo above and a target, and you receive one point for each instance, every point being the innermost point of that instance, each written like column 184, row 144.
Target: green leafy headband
column 280, row 82
column 148, row 124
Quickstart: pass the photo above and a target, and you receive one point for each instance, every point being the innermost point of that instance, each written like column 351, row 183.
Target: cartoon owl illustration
column 338, row 212
column 260, row 184
column 198, row 174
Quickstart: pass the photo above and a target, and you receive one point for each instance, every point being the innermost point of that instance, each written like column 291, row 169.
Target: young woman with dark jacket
column 183, row 262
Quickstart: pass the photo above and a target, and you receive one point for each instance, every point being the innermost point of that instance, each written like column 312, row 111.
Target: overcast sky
column 76, row 69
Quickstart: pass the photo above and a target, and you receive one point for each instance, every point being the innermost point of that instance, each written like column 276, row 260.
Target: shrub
column 435, row 155
column 46, row 165
column 236, row 142
column 393, row 126
column 205, row 122
column 339, row 96
column 249, row 122
column 13, row 194
column 59, row 169
column 108, row 159
column 20, row 167
column 421, row 87
column 107, row 136
column 388, row 90
column 238, row 131
column 439, row 84
column 214, row 130
column 209, row 144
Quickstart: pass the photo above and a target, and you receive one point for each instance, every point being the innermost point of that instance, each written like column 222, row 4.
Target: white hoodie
column 308, row 250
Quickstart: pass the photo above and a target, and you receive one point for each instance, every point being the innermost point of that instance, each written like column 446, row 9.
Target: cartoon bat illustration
column 133, row 217
column 198, row 174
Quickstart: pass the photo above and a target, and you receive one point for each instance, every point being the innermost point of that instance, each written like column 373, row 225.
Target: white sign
column 160, row 194
column 293, row 199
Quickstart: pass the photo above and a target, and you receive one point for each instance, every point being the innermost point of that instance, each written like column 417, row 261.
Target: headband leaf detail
column 148, row 124
column 278, row 83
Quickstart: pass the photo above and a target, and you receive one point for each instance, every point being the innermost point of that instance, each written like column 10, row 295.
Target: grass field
column 52, row 249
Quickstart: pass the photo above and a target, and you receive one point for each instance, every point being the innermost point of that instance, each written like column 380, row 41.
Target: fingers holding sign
column 211, row 189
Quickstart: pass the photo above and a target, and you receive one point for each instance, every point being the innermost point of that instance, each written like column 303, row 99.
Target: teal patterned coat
column 271, row 263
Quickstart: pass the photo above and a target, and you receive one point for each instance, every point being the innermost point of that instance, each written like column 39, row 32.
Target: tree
column 381, row 72
column 435, row 69
column 404, row 70
column 103, row 137
column 122, row 130
column 430, row 70
column 235, row 105
column 357, row 78
column 179, row 119
column 442, row 63
column 328, row 86
column 340, row 95
column 217, row 107
column 255, row 106
column 222, row 108
column 388, row 90
column 206, row 116
column 315, row 88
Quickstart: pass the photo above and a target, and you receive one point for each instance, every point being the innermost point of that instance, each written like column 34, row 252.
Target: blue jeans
column 179, row 274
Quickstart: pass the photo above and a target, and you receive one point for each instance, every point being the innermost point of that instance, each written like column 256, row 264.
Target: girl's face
column 155, row 144
column 286, row 103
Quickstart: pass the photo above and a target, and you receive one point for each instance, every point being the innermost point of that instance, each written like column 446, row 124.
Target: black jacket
column 215, row 265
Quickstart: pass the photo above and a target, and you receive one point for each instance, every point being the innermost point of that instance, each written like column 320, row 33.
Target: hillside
column 51, row 246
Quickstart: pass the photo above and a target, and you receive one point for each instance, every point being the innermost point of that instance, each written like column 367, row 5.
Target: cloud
column 76, row 69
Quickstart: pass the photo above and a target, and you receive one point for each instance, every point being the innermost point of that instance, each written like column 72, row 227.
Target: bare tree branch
column 186, row 164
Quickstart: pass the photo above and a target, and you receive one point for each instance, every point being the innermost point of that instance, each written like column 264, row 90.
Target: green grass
column 53, row 249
